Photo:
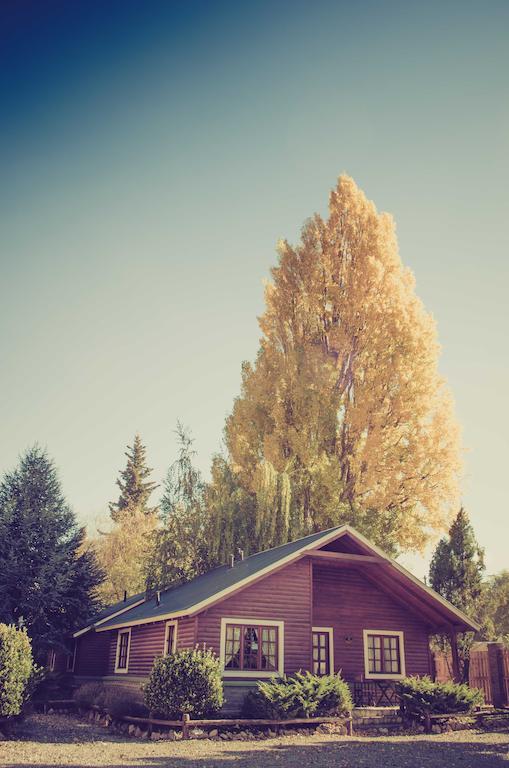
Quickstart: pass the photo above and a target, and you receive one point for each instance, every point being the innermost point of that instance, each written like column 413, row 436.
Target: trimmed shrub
column 303, row 695
column 18, row 674
column 89, row 695
column 119, row 702
column 186, row 682
column 420, row 697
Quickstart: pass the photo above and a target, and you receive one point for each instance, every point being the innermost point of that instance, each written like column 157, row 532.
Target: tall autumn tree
column 124, row 550
column 181, row 544
column 344, row 417
column 48, row 578
column 456, row 572
column 135, row 488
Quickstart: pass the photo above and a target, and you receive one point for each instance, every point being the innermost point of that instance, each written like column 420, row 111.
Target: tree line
column 343, row 417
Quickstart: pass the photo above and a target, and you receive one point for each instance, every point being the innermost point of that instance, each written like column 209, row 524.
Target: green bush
column 18, row 673
column 420, row 696
column 89, row 695
column 186, row 682
column 303, row 695
column 119, row 702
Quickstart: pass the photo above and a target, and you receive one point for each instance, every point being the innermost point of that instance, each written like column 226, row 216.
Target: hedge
column 19, row 674
column 420, row 697
column 303, row 695
column 186, row 682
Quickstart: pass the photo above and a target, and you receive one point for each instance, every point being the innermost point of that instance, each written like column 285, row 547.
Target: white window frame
column 117, row 654
column 382, row 675
column 173, row 623
column 256, row 673
column 52, row 660
column 70, row 667
column 330, row 632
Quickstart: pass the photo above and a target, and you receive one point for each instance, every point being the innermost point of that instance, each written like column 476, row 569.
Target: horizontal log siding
column 345, row 600
column 147, row 642
column 92, row 654
column 186, row 632
column 282, row 596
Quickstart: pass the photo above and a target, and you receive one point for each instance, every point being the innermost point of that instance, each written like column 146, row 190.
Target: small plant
column 303, row 695
column 186, row 682
column 89, row 695
column 19, row 675
column 421, row 697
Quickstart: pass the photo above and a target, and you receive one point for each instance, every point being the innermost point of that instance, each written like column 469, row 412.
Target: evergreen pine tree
column 456, row 573
column 135, row 489
column 48, row 577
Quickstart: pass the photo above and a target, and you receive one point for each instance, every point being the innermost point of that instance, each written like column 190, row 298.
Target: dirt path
column 56, row 740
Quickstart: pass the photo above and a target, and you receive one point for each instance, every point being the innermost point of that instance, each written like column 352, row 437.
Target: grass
column 56, row 740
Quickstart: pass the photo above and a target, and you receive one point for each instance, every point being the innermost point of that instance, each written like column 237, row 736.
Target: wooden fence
column 488, row 670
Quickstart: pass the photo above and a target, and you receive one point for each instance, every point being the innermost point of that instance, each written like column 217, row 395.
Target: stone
column 144, row 735
column 197, row 733
column 138, row 732
column 131, row 730
column 224, row 735
column 155, row 736
column 435, row 728
column 213, row 733
column 383, row 731
column 51, row 711
column 271, row 734
column 171, row 735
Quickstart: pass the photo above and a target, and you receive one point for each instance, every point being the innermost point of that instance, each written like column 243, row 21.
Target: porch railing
column 374, row 693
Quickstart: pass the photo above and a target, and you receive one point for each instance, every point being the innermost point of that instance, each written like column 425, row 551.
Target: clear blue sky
column 153, row 153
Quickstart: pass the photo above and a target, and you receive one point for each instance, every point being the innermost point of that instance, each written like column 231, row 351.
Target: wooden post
column 185, row 726
column 455, row 658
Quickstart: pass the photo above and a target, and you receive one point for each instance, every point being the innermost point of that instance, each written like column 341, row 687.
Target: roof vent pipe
column 232, row 561
column 241, row 553
column 158, row 597
column 125, row 595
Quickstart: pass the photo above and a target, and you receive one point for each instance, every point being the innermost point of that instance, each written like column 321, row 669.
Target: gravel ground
column 57, row 740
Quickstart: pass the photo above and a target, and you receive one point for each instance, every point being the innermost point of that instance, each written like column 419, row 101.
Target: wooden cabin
column 329, row 602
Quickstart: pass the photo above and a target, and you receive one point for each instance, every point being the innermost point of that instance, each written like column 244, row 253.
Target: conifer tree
column 180, row 545
column 456, row 572
column 135, row 489
column 48, row 578
column 343, row 417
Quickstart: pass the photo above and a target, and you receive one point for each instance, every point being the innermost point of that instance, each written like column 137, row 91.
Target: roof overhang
column 107, row 618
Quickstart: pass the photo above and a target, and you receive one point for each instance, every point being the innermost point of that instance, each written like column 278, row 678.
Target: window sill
column 382, row 676
column 250, row 673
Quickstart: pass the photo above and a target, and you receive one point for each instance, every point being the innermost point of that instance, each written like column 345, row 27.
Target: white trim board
column 166, row 633
column 125, row 670
column 253, row 673
column 382, row 675
column 330, row 632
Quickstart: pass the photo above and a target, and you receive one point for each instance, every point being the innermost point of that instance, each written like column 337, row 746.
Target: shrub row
column 190, row 682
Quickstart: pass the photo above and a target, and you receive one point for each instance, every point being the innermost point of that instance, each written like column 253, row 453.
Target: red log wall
column 343, row 598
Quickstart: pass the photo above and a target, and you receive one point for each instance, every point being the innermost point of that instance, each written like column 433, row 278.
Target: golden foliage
column 345, row 400
column 123, row 552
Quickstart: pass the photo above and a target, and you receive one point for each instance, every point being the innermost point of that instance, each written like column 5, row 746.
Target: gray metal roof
column 182, row 598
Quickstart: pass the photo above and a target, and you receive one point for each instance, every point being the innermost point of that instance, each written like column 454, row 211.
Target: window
column 170, row 638
column 122, row 657
column 251, row 648
column 71, row 658
column 383, row 654
column 323, row 650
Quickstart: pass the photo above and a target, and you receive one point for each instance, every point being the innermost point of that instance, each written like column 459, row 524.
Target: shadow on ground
column 465, row 750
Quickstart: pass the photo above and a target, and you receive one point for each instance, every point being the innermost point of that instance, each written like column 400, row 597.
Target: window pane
column 232, row 649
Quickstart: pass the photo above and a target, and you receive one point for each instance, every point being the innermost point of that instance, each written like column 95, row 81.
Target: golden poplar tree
column 344, row 417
